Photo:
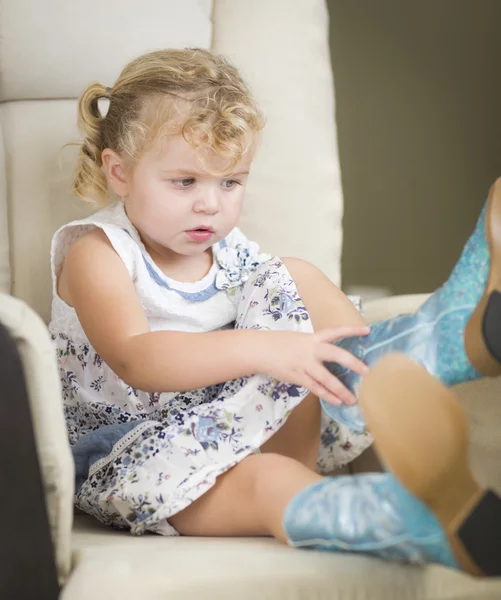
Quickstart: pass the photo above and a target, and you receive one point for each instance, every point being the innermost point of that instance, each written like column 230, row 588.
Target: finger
column 343, row 357
column 320, row 391
column 338, row 333
column 331, row 384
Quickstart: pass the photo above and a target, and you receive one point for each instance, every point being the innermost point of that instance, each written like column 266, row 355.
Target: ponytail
column 90, row 181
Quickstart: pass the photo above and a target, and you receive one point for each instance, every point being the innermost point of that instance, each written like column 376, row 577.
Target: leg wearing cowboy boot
column 456, row 334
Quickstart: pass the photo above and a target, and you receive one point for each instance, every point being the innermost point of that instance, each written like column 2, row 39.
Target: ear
column 116, row 175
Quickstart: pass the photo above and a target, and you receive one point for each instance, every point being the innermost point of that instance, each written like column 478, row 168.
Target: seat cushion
column 110, row 564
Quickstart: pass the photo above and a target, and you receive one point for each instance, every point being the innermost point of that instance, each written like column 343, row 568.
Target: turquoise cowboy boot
column 455, row 335
column 429, row 508
column 369, row 514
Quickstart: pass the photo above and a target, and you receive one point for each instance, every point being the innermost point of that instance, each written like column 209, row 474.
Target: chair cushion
column 80, row 43
column 112, row 564
column 34, row 133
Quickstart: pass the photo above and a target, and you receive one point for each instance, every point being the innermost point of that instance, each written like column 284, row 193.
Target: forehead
column 174, row 152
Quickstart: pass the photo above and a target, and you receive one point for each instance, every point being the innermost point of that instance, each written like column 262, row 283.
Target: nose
column 207, row 202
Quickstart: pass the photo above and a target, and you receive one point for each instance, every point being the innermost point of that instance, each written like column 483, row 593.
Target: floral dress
column 141, row 457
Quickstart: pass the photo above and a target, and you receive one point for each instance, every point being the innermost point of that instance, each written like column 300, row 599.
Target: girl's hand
column 298, row 358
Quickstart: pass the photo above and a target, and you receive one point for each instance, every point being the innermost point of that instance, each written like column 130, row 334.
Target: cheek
column 153, row 211
column 234, row 205
column 162, row 215
column 159, row 203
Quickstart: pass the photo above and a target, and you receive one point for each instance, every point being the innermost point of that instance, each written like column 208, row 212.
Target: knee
column 257, row 467
column 263, row 472
column 298, row 265
column 303, row 271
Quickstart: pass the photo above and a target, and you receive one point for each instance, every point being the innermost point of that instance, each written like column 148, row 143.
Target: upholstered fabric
column 44, row 391
column 38, row 181
column 385, row 308
column 114, row 565
column 51, row 49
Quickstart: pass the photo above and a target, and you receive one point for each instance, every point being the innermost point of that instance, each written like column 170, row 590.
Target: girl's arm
column 96, row 283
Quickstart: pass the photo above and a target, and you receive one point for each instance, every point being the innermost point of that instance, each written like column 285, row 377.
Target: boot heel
column 480, row 533
column 491, row 326
column 482, row 335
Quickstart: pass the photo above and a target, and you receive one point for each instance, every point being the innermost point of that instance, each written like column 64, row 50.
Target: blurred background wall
column 418, row 93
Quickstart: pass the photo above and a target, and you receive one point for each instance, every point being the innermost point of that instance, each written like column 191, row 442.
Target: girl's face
column 175, row 204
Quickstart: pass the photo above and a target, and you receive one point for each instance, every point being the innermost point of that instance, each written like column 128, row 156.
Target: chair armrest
column 27, row 556
column 385, row 308
column 38, row 358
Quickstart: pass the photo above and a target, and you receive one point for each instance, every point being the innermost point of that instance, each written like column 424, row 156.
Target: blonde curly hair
column 193, row 92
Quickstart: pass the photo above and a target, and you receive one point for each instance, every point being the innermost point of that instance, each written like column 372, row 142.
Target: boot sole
column 421, row 436
column 482, row 335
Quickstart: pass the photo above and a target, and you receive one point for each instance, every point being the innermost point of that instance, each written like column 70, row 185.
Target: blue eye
column 184, row 183
column 232, row 183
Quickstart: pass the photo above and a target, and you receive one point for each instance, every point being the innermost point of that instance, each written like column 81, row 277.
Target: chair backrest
column 52, row 50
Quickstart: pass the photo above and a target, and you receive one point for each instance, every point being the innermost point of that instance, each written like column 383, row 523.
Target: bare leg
column 248, row 500
column 328, row 307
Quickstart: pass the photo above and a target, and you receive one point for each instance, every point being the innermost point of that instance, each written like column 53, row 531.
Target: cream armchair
column 50, row 51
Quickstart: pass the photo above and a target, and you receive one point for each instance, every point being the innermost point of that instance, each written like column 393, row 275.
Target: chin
column 194, row 249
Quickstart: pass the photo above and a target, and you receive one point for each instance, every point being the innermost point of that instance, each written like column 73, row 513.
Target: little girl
column 159, row 300
column 175, row 335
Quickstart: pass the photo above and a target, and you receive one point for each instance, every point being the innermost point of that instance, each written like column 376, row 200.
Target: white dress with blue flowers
column 141, row 457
